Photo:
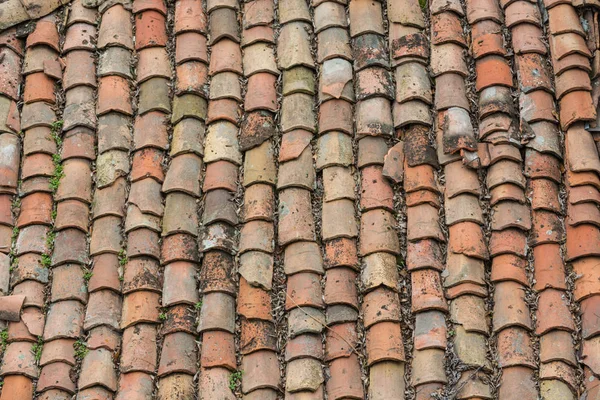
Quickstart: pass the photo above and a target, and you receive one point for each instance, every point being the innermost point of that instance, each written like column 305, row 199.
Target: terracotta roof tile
column 38, row 59
column 423, row 362
column 191, row 46
column 45, row 33
column 493, row 71
column 330, row 14
column 520, row 12
column 589, row 309
column 115, row 28
column 258, row 34
column 575, row 107
column 305, row 321
column 259, row 57
column 446, row 28
column 223, row 25
column 381, row 240
column 532, row 74
column 189, row 16
column 550, row 265
column 80, row 13
column 83, row 74
column 304, row 374
column 11, row 79
column 340, row 313
column 341, row 252
column 365, row 17
column 223, row 109
column 557, row 346
column 406, row 13
column 153, row 62
column 19, row 360
column 519, row 382
column 336, row 80
column 182, row 247
column 150, row 30
column 515, row 348
column 258, row 13
column 553, row 3
column 527, row 38
column 483, row 10
column 438, row 6
column 447, row 58
column 384, row 343
column 157, row 5
column 100, row 362
column 178, row 354
column 345, row 378
column 567, row 44
column 335, row 43
column 219, row 206
column 384, row 382
column 8, row 38
column 305, row 346
column 300, row 53
column 572, row 80
column 216, row 4
column 369, row 50
column 217, row 348
column 293, row 10
column 569, row 62
column 33, row 297
column 80, row 36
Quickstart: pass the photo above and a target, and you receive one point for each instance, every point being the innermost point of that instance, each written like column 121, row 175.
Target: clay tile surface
column 189, row 16
column 343, row 196
column 116, row 28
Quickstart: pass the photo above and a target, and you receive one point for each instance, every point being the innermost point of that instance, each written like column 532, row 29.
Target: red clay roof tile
column 521, row 12
column 527, row 38
column 293, row 10
column 8, row 38
column 218, row 350
column 116, row 28
column 446, row 28
column 143, row 5
column 345, row 380
column 368, row 50
column 45, row 33
column 258, row 34
column 335, row 43
column 480, row 10
column 262, row 94
column 258, row 13
column 191, row 46
column 189, row 16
